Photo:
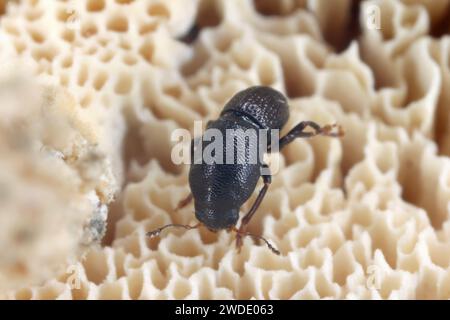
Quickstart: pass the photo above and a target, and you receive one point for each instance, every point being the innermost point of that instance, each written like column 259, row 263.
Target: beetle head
column 217, row 218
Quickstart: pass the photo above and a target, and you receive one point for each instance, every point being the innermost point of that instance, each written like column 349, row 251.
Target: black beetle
column 220, row 189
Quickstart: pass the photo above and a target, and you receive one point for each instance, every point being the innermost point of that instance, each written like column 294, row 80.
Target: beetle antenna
column 157, row 232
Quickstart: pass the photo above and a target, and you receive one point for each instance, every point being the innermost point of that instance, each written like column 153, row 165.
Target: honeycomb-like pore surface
column 362, row 217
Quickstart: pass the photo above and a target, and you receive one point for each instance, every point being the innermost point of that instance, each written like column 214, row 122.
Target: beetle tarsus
column 240, row 234
column 269, row 245
column 238, row 241
column 298, row 132
column 184, row 202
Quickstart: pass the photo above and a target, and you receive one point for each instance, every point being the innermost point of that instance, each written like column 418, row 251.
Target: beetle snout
column 218, row 219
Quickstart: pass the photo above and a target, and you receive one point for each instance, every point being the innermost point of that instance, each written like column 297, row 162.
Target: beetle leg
column 184, row 202
column 246, row 219
column 269, row 245
column 297, row 132
column 191, row 35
